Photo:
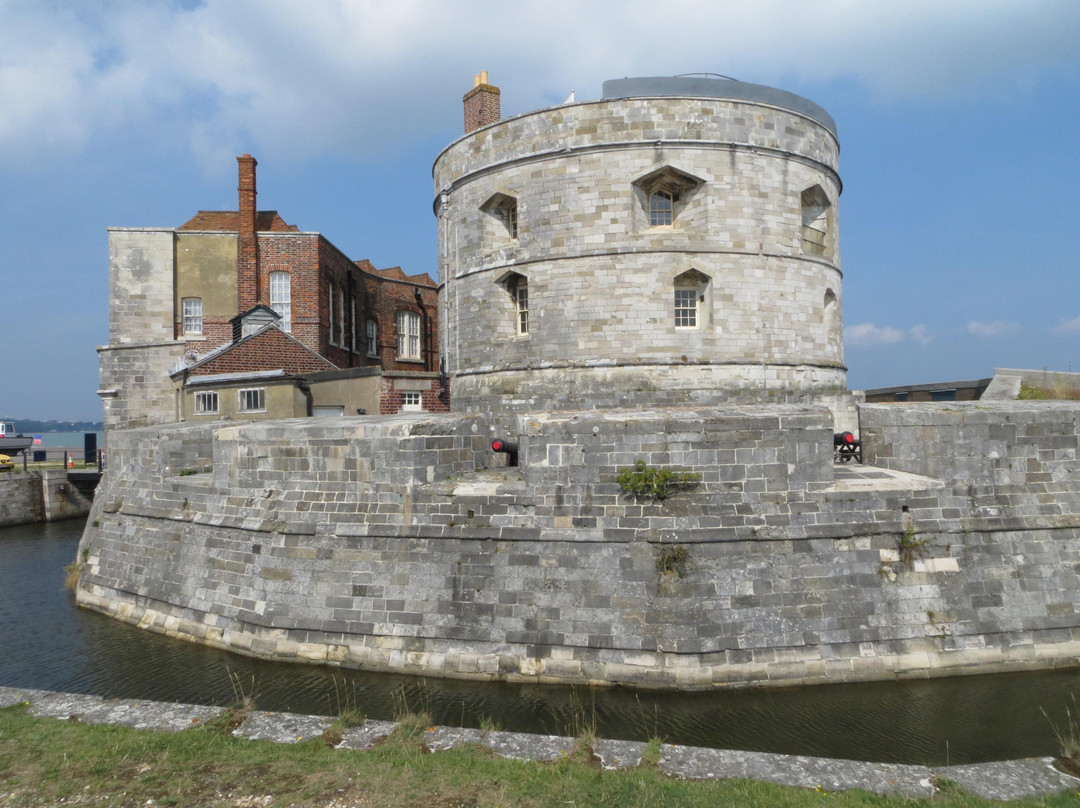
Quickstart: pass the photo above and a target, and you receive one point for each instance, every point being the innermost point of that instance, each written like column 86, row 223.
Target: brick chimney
column 247, row 246
column 481, row 104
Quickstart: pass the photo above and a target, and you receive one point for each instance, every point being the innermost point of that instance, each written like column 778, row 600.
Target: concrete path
column 1005, row 780
column 852, row 476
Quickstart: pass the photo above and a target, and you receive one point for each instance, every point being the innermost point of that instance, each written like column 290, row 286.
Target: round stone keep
column 675, row 242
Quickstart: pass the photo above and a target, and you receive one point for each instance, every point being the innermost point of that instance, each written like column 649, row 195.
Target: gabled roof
column 394, row 273
column 229, row 221
column 269, row 349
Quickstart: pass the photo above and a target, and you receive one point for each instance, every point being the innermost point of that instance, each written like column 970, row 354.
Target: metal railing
column 37, row 459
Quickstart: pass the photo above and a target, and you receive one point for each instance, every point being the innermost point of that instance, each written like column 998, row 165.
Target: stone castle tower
column 675, row 242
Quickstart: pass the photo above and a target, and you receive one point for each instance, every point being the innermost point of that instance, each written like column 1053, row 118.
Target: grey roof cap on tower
column 703, row 87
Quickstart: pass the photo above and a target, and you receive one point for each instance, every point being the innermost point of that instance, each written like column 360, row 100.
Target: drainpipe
column 350, row 319
column 302, row 386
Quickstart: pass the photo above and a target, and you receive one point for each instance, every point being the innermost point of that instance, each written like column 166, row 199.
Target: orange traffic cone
column 71, row 462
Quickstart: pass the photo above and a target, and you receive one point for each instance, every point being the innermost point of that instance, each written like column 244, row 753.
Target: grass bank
column 46, row 762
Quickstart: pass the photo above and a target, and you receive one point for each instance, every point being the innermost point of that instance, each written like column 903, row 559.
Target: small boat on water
column 10, row 443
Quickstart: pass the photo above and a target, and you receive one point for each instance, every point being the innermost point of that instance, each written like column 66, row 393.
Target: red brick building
column 293, row 325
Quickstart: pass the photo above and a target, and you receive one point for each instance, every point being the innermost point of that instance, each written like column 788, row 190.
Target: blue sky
column 959, row 126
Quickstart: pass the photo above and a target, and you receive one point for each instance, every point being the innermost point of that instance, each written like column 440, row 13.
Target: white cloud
column 918, row 334
column 865, row 335
column 993, row 329
column 1068, row 326
column 354, row 77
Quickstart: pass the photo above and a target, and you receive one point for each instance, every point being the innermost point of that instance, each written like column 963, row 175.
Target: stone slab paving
column 282, row 727
column 1005, row 780
column 619, row 754
column 522, row 746
column 1011, row 779
column 134, row 713
column 364, row 736
column 820, row 774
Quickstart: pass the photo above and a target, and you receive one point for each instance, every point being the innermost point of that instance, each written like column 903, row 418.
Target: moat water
column 46, row 642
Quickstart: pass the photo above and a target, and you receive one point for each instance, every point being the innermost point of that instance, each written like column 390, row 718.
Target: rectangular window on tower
column 661, row 208
column 521, row 299
column 686, row 308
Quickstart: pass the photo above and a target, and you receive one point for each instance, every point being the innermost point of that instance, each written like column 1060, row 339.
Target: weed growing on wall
column 673, row 559
column 645, row 482
column 72, row 574
column 909, row 546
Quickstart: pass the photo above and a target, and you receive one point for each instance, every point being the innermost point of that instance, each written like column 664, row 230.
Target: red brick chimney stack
column 481, row 103
column 247, row 247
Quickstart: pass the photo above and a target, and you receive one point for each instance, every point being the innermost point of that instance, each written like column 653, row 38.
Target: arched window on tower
column 815, row 220
column 517, row 287
column 503, row 209
column 665, row 194
column 831, row 316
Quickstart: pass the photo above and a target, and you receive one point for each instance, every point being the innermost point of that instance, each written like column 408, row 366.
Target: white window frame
column 686, row 316
column 281, row 298
column 661, row 215
column 341, row 318
column 251, row 396
column 521, row 306
column 330, row 306
column 412, row 401
column 352, row 330
column 372, row 338
column 408, row 335
column 510, row 214
column 191, row 307
column 206, row 403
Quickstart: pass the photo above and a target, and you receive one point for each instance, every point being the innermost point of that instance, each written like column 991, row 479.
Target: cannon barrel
column 846, row 446
column 507, row 447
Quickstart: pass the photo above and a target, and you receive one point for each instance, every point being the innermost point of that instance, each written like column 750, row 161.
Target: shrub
column 643, row 482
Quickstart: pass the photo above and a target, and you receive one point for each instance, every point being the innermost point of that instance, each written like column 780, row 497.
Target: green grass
column 1029, row 392
column 46, row 761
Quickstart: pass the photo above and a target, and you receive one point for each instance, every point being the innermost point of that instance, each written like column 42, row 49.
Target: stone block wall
column 135, row 386
column 20, row 499
column 404, row 544
column 39, row 496
column 141, row 268
column 1016, row 457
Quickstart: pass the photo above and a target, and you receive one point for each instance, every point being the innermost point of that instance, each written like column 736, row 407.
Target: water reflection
column 48, row 643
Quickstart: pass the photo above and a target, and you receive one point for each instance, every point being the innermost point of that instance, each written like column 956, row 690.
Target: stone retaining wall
column 404, row 544
column 39, row 496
